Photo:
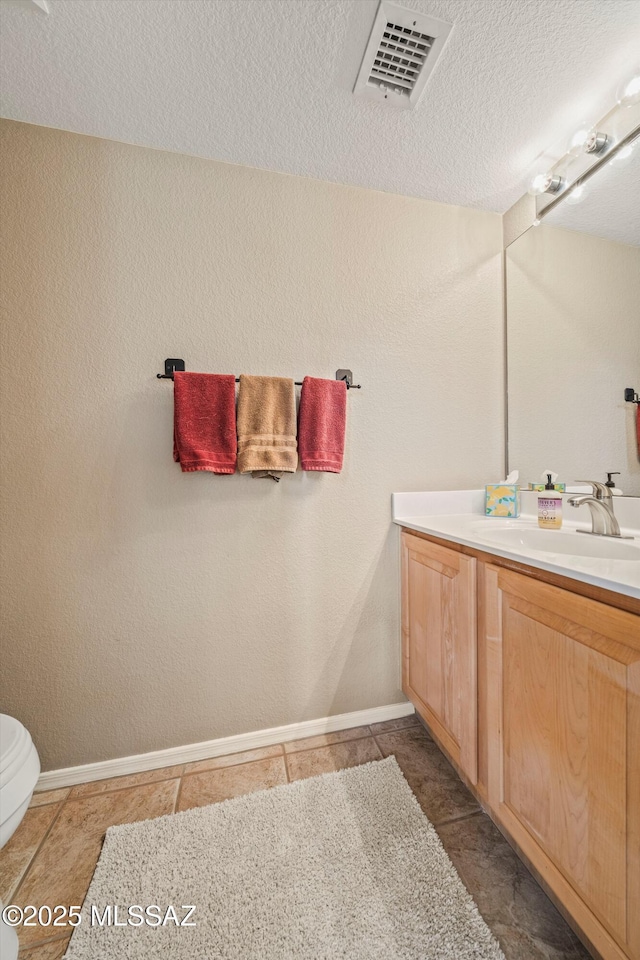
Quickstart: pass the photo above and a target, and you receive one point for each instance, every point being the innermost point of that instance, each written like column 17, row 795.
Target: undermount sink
column 559, row 541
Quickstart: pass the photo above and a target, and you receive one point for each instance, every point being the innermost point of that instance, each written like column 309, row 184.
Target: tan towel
column 267, row 426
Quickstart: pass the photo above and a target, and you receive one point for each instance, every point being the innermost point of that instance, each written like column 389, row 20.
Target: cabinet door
column 564, row 746
column 439, row 644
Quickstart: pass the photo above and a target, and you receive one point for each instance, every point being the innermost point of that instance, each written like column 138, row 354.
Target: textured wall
column 574, row 345
column 145, row 608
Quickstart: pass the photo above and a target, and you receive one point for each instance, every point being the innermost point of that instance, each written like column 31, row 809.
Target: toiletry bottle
column 549, row 507
column 611, row 484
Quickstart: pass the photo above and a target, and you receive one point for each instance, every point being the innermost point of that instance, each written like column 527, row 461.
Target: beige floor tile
column 234, row 759
column 311, row 763
column 54, row 950
column 326, row 739
column 62, row 870
column 17, row 854
column 200, row 789
column 122, row 783
column 49, row 796
column 400, row 724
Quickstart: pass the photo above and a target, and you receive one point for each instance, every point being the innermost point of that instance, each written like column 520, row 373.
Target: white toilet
column 19, row 772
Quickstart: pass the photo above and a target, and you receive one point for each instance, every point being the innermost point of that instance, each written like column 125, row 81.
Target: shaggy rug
column 344, row 866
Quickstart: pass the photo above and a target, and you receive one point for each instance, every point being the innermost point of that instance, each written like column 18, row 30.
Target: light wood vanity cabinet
column 563, row 730
column 439, row 644
column 543, row 719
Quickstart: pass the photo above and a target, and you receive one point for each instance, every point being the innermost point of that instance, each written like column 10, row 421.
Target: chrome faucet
column 600, row 503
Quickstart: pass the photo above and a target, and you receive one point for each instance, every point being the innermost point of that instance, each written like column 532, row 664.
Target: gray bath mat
column 343, row 865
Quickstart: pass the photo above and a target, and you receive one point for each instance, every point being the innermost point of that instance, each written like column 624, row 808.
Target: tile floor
column 52, row 856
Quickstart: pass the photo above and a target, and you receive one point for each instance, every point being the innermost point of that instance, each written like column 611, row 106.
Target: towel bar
column 631, row 396
column 169, row 367
column 172, row 364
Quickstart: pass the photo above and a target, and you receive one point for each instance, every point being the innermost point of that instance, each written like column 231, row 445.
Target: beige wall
column 144, row 608
column 574, row 345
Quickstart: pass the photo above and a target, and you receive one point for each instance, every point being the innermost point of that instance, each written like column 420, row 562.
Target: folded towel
column 267, row 426
column 323, row 417
column 204, row 422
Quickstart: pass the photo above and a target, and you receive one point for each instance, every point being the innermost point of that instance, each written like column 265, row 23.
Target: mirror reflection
column 573, row 334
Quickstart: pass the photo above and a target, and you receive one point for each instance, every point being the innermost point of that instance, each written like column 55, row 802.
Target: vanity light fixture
column 609, row 140
column 546, row 183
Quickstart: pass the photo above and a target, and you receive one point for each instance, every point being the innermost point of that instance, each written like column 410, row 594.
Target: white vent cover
column 401, row 53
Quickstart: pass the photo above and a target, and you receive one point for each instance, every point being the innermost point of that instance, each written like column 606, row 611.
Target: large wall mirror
column 573, row 333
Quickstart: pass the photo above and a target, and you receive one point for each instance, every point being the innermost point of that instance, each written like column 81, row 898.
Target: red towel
column 204, row 422
column 323, row 416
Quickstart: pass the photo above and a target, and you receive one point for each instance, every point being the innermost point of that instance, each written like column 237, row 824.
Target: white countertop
column 459, row 516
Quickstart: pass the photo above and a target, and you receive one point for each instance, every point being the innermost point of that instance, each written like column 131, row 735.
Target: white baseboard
column 121, row 766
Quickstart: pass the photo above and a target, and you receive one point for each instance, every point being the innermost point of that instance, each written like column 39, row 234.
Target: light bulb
column 546, row 183
column 578, row 140
column 537, row 185
column 629, row 91
column 623, row 156
column 576, row 195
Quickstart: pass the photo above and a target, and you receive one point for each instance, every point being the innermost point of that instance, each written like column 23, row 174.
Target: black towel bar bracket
column 169, row 367
column 172, row 364
column 347, row 376
column 631, row 396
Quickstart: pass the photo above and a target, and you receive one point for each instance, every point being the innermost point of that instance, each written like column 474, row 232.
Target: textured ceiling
column 268, row 83
column 609, row 206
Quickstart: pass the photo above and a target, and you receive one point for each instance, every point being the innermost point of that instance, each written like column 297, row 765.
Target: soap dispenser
column 549, row 506
column 611, row 483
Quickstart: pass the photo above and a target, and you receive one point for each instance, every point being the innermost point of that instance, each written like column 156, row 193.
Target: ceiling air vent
column 401, row 53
